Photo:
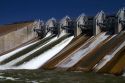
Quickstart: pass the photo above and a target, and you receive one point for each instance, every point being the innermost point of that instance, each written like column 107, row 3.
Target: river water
column 41, row 76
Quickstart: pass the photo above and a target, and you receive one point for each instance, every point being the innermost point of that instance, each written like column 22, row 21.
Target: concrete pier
column 81, row 22
column 64, row 25
column 98, row 23
column 121, row 20
column 51, row 26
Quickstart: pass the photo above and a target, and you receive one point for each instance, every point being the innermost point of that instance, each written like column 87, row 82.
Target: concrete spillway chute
column 99, row 23
column 121, row 20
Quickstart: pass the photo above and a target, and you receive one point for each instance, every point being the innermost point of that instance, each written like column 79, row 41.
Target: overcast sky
column 22, row 10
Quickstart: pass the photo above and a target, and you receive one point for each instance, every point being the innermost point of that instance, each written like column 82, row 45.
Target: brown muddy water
column 38, row 76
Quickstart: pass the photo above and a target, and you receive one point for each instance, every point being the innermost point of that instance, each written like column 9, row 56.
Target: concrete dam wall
column 88, row 43
column 22, row 33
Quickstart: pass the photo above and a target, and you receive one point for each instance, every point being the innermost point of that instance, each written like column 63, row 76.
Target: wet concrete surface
column 75, row 44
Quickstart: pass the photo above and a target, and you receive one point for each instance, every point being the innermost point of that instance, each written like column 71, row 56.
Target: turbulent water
column 40, row 60
column 3, row 57
column 42, row 76
column 39, row 76
column 90, row 45
column 36, row 62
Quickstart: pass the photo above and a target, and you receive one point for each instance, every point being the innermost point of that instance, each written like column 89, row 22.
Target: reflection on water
column 38, row 76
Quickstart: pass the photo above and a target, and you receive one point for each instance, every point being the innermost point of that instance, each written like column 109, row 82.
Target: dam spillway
column 88, row 43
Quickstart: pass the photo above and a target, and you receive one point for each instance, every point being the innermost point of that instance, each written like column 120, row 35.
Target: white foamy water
column 8, row 78
column 108, row 57
column 63, row 32
column 48, row 34
column 123, row 74
column 80, row 53
column 28, row 54
column 43, row 58
column 3, row 57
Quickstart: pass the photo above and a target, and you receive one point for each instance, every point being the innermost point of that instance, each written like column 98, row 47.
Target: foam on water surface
column 28, row 54
column 77, row 55
column 43, row 58
column 48, row 34
column 3, row 57
column 108, row 57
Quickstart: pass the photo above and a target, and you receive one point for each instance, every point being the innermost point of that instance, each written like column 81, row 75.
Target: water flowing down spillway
column 49, row 34
column 3, row 57
column 34, row 62
column 43, row 58
column 108, row 61
column 23, row 50
column 94, row 56
column 75, row 44
column 74, row 57
column 27, row 54
column 42, row 49
column 119, row 65
column 84, row 44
